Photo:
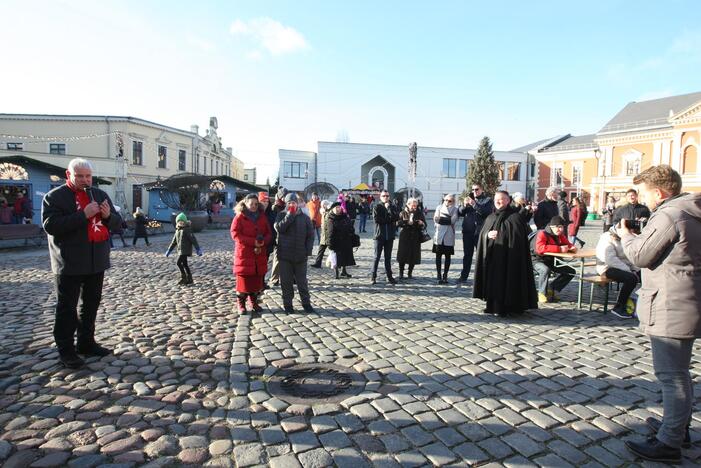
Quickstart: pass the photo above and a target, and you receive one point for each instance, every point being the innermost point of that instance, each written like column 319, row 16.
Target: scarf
column 252, row 214
column 97, row 232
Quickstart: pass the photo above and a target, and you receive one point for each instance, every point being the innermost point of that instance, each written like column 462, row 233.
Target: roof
column 196, row 178
column 530, row 146
column 51, row 168
column 573, row 143
column 652, row 113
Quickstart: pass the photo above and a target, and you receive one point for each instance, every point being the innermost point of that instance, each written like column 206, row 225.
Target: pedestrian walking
column 669, row 302
column 576, row 214
column 183, row 242
column 504, row 273
column 444, row 218
column 119, row 231
column 325, row 233
column 363, row 212
column 77, row 218
column 412, row 223
column 608, row 212
column 341, row 239
column 22, row 211
column 251, row 234
column 140, row 223
column 476, row 206
column 295, row 234
column 351, row 208
column 385, row 215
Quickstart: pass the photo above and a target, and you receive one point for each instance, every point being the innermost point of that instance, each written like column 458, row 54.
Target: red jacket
column 547, row 242
column 575, row 220
column 244, row 232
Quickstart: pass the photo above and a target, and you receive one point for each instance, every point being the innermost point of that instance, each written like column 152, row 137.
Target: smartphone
column 471, row 195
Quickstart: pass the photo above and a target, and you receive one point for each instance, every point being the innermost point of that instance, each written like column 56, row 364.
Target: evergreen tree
column 483, row 169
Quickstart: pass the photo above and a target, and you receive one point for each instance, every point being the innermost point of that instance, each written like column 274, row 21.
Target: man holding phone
column 77, row 219
column 476, row 206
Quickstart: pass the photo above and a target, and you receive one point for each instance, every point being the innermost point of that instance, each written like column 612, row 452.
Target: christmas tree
column 483, row 169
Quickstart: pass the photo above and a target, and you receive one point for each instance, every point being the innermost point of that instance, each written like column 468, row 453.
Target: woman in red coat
column 576, row 213
column 251, row 234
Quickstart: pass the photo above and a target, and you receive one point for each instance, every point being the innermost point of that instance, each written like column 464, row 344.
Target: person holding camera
column 476, row 206
column 295, row 238
column 669, row 302
column 632, row 210
column 385, row 215
column 77, row 219
column 444, row 218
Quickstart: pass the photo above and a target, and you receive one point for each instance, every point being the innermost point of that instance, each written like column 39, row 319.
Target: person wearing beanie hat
column 295, row 237
column 183, row 241
column 140, row 222
column 552, row 239
column 263, row 196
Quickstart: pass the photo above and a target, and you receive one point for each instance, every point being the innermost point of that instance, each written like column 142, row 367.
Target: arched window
column 689, row 160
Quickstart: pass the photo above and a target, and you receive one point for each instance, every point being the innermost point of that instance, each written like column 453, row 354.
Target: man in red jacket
column 552, row 239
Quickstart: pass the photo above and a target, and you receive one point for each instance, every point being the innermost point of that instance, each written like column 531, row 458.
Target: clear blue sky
column 285, row 74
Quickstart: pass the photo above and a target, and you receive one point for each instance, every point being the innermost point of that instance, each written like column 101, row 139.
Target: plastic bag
column 332, row 260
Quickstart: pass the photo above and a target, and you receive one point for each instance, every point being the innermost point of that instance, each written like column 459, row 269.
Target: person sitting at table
column 552, row 239
column 613, row 263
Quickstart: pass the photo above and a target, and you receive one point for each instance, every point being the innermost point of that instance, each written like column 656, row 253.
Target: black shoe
column 70, row 359
column 93, row 349
column 289, row 309
column 621, row 312
column 655, row 425
column 345, row 274
column 654, row 450
column 308, row 308
column 391, row 280
column 315, row 265
column 462, row 280
column 373, row 280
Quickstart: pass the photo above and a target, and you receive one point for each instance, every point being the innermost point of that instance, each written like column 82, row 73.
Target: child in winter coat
column 183, row 240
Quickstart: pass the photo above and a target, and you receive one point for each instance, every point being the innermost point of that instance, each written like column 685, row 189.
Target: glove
column 168, row 252
column 199, row 252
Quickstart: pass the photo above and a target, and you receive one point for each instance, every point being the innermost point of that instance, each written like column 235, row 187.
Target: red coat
column 244, row 232
column 575, row 220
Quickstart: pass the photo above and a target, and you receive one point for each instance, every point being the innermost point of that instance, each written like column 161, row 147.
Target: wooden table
column 569, row 258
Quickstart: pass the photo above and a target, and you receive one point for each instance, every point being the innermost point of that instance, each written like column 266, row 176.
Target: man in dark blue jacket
column 77, row 219
column 475, row 209
column 386, row 216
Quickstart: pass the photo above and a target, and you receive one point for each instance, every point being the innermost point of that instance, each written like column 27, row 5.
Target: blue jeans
column 380, row 246
column 671, row 358
column 318, row 233
column 363, row 221
column 564, row 276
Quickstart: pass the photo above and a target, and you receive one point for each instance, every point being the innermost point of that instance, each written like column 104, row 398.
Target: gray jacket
column 445, row 218
column 669, row 303
column 295, row 236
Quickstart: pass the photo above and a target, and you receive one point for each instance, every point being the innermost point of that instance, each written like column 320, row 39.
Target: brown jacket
column 669, row 303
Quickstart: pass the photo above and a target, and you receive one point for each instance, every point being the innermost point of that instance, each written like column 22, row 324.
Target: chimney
column 195, row 129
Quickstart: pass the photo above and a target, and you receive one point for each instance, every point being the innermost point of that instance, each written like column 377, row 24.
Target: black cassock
column 504, row 271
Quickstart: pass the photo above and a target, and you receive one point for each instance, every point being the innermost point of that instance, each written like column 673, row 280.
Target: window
column 500, row 167
column 211, row 166
column 294, row 170
column 514, row 171
column 632, row 167
column 137, row 153
column 14, row 146
column 245, row 177
column 449, row 168
column 162, row 157
column 181, row 160
column 462, row 168
column 556, row 178
column 576, row 174
column 57, row 148
column 689, row 160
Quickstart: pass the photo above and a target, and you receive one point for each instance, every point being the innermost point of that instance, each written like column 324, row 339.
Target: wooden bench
column 22, row 231
column 604, row 283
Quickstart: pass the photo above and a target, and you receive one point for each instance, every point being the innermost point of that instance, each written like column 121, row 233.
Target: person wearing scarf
column 251, row 234
column 77, row 218
column 445, row 217
column 504, row 272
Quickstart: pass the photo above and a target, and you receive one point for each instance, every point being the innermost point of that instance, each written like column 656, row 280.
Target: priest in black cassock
column 504, row 272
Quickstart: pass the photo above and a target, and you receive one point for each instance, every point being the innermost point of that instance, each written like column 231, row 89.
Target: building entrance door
column 136, row 199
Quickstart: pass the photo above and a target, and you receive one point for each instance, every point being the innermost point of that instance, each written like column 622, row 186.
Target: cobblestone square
column 443, row 383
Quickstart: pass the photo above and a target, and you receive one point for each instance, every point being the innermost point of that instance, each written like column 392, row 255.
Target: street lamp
column 602, row 166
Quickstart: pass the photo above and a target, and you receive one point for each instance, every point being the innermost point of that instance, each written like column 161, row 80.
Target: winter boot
column 410, row 272
column 253, row 303
column 337, row 275
column 401, row 271
column 241, row 304
column 188, row 280
column 68, row 357
column 344, row 273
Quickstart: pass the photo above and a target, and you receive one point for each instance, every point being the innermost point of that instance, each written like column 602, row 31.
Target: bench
column 604, row 283
column 22, row 231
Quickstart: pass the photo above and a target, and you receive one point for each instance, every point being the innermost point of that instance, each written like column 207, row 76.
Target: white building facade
column 127, row 151
column 439, row 170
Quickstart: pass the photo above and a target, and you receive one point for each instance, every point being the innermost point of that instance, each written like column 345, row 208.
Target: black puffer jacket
column 295, row 236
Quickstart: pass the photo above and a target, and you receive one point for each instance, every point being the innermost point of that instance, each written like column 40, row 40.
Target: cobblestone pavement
column 444, row 384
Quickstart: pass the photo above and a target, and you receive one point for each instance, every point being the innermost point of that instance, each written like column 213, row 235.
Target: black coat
column 544, row 213
column 67, row 232
column 295, row 236
column 140, row 223
column 409, row 250
column 341, row 238
column 385, row 221
column 352, row 209
column 504, row 271
column 629, row 211
column 473, row 218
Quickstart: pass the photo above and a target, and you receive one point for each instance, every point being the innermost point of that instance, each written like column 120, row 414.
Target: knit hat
column 557, row 221
column 181, row 217
column 263, row 196
column 291, row 197
column 334, row 205
column 282, row 191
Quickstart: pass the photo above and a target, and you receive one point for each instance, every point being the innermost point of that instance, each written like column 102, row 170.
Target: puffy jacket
column 609, row 253
column 314, row 207
column 183, row 239
column 244, row 232
column 669, row 301
column 473, row 217
column 547, row 242
column 295, row 236
column 385, row 221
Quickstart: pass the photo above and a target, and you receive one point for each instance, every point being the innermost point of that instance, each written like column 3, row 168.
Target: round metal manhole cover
column 309, row 383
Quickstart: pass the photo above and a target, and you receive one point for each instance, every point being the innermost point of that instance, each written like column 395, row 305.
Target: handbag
column 355, row 240
column 425, row 237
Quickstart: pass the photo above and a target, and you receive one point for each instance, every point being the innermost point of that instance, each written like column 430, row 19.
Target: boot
column 253, row 303
column 655, row 424
column 410, row 272
column 654, row 450
column 183, row 279
column 344, row 273
column 337, row 275
column 241, row 304
column 445, row 277
column 374, row 279
column 93, row 349
column 188, row 280
column 68, row 357
column 401, row 271
column 391, row 280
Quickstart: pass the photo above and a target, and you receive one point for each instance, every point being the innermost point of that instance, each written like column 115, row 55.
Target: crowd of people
column 653, row 242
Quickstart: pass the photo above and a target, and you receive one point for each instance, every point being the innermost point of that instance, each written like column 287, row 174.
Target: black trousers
column 183, row 266
column 145, row 236
column 380, row 246
column 320, row 255
column 629, row 281
column 71, row 290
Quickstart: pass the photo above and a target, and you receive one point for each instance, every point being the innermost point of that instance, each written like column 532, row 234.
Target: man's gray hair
column 79, row 163
column 551, row 191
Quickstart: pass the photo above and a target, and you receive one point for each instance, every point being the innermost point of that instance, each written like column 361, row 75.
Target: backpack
column 531, row 241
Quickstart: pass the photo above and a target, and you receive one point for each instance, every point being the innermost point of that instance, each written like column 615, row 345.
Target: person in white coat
column 613, row 263
column 445, row 217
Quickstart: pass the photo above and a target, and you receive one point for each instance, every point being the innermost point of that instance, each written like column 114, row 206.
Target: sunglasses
column 449, row 201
